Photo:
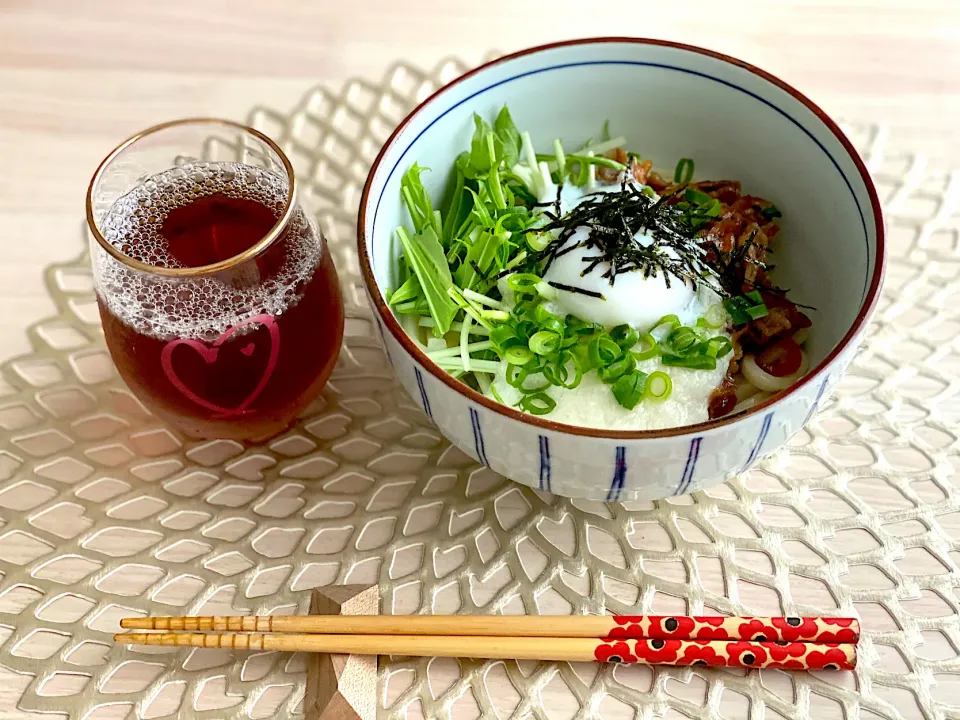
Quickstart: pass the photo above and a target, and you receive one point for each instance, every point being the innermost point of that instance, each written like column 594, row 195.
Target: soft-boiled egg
column 632, row 299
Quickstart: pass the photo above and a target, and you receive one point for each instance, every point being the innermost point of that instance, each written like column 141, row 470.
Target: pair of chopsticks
column 786, row 643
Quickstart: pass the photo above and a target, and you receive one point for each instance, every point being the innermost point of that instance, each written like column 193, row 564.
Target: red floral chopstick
column 783, row 655
column 758, row 629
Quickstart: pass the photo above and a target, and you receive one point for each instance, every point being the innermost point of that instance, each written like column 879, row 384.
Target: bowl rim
column 419, row 356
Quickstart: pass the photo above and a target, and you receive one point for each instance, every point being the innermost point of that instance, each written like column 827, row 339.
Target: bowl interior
column 669, row 103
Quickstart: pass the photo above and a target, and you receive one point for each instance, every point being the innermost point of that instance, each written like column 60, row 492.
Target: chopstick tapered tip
column 134, row 623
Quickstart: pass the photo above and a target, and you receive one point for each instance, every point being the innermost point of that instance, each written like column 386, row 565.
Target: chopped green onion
column 682, row 340
column 412, row 306
column 558, row 374
column 523, row 283
column 591, row 158
column 454, row 363
column 672, row 320
column 521, row 256
column 603, row 351
column 503, row 334
column 625, row 336
column 712, row 208
column 538, row 241
column 561, row 159
column 684, row 171
column 619, row 367
column 547, row 320
column 718, row 346
column 481, row 299
column 771, row 212
column 428, row 322
column 696, row 197
column 745, row 308
column 648, row 347
column 545, row 342
column 495, row 314
column 466, row 307
column 715, row 317
column 580, row 327
column 584, row 163
column 629, row 389
column 448, row 352
column 547, row 291
column 516, row 376
column 757, row 311
column 694, row 362
column 605, row 146
column 518, row 355
column 658, row 386
column 734, row 307
column 538, row 403
column 483, row 382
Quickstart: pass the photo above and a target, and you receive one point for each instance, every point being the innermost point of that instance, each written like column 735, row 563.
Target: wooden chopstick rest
column 342, row 687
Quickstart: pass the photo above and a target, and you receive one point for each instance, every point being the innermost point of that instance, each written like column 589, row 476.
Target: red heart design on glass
column 209, row 353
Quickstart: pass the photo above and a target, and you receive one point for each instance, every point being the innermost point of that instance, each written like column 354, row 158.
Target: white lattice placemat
column 107, row 514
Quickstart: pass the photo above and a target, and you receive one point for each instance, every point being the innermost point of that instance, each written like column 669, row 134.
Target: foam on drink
column 199, row 307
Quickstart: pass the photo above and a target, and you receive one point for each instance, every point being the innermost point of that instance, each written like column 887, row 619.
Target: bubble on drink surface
column 205, row 306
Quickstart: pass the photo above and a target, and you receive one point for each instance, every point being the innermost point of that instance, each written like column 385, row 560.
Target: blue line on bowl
column 423, row 393
column 545, row 463
column 619, row 474
column 693, row 454
column 863, row 221
column 478, row 437
column 816, row 403
column 764, row 429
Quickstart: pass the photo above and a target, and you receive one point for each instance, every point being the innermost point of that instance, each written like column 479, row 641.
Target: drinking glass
column 220, row 303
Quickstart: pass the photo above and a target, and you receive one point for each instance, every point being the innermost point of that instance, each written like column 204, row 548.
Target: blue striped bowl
column 671, row 101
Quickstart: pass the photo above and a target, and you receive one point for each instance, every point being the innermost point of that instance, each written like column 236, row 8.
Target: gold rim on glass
column 230, row 262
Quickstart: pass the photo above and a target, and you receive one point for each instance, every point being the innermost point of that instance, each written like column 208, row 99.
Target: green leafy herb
column 417, row 200
column 426, row 257
column 486, row 149
column 409, row 291
column 509, row 137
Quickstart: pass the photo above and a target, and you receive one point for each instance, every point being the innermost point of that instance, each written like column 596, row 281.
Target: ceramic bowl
column 670, row 101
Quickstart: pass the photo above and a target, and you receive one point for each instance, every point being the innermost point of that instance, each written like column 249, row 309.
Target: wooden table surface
column 77, row 76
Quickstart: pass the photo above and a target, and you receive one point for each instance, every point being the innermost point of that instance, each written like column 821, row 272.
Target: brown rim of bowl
column 419, row 356
column 248, row 254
